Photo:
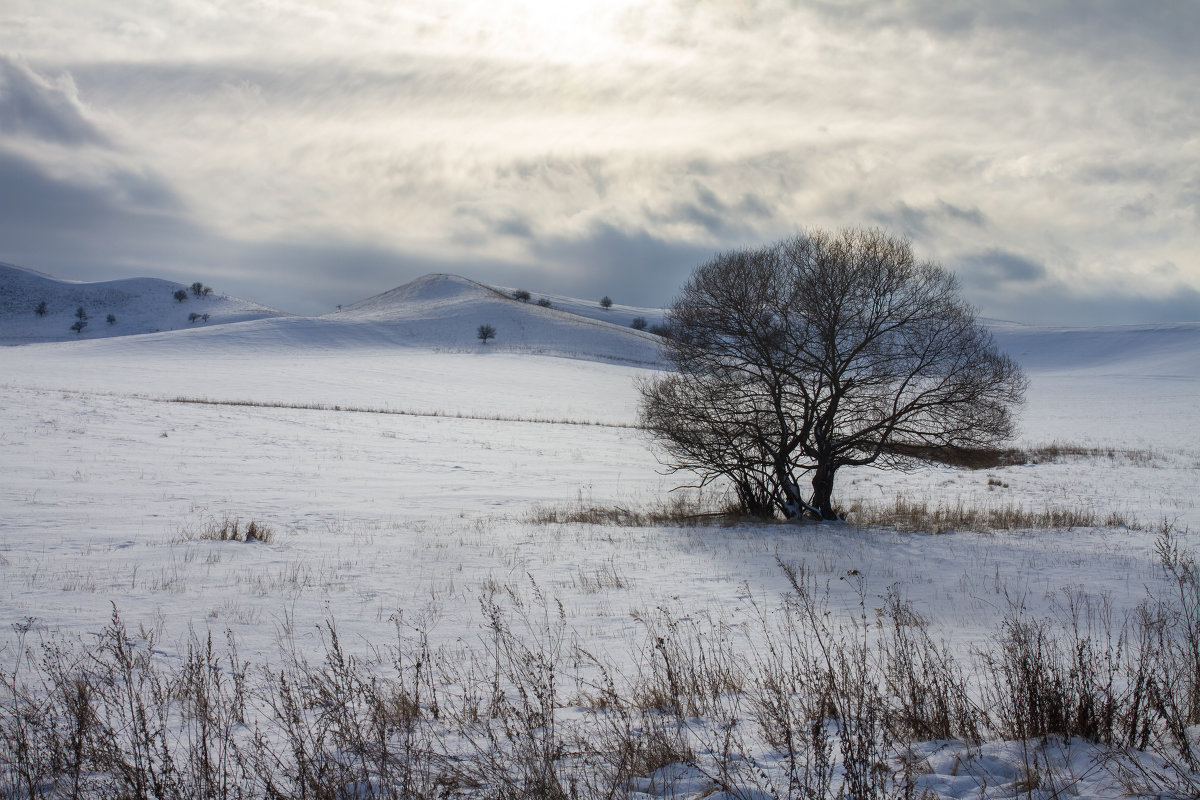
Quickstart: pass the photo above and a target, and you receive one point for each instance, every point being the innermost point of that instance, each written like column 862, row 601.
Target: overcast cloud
column 304, row 156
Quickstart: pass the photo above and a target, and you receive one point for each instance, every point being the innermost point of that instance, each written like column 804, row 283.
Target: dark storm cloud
column 1167, row 29
column 123, row 211
column 647, row 267
column 33, row 107
column 1059, row 304
column 995, row 267
column 921, row 222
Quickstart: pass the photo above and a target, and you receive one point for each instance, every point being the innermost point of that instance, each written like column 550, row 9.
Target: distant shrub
column 661, row 330
column 522, row 295
column 231, row 530
column 204, row 317
column 111, row 319
column 192, row 317
column 485, row 332
column 200, row 290
column 80, row 314
column 78, row 326
column 606, row 302
column 638, row 324
column 180, row 295
column 41, row 309
column 544, row 302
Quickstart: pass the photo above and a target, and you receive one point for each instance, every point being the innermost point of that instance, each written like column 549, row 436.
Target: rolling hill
column 136, row 305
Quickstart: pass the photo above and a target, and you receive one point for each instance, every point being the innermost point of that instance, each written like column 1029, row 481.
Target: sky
column 305, row 154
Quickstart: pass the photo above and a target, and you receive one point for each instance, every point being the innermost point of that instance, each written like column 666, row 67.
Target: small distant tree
column 522, row 295
column 111, row 319
column 80, row 314
column 78, row 326
column 192, row 317
column 544, row 302
column 638, row 324
column 197, row 288
column 180, row 295
column 606, row 302
column 41, row 309
column 485, row 332
column 204, row 317
column 661, row 330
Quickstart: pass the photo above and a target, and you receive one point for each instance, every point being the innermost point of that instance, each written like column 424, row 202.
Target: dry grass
column 386, row 411
column 1054, row 452
column 230, row 529
column 675, row 510
column 835, row 701
column 922, row 517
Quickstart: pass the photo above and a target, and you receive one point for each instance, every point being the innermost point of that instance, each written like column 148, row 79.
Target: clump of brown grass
column 990, row 458
column 674, row 510
column 919, row 516
column 231, row 530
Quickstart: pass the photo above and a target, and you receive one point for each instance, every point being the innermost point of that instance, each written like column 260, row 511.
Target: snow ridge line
column 392, row 411
column 399, row 412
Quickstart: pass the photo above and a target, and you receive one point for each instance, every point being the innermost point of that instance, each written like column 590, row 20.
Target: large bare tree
column 819, row 352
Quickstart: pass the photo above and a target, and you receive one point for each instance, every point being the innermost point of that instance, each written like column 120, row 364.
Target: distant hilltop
column 39, row 308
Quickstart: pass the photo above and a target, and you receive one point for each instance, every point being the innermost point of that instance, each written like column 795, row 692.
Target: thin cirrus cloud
column 305, row 157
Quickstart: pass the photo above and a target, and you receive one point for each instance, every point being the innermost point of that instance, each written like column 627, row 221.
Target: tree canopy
column 818, row 352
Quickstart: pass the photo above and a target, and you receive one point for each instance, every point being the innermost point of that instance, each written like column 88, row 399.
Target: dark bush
column 638, row 324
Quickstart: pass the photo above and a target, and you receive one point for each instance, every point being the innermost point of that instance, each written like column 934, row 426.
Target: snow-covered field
column 407, row 481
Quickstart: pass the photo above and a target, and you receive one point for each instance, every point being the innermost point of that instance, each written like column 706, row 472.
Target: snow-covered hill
column 436, row 313
column 445, row 311
column 442, row 313
column 398, row 461
column 1163, row 350
column 135, row 305
column 617, row 314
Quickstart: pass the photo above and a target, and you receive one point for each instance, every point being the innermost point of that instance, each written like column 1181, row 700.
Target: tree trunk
column 790, row 504
column 822, row 497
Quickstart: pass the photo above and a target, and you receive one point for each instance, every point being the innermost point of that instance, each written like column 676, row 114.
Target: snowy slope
column 617, row 314
column 445, row 311
column 138, row 305
column 411, row 511
column 1164, row 350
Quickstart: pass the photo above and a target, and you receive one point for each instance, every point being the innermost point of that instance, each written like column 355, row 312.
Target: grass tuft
column 920, row 517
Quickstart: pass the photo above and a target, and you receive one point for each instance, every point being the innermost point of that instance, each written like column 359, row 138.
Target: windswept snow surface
column 137, row 305
column 418, row 498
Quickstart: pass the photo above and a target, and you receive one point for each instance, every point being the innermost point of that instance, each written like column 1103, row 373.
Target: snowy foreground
column 402, row 481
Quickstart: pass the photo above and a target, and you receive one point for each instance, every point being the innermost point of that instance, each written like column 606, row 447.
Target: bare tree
column 606, row 302
column 485, row 332
column 180, row 295
column 819, row 352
